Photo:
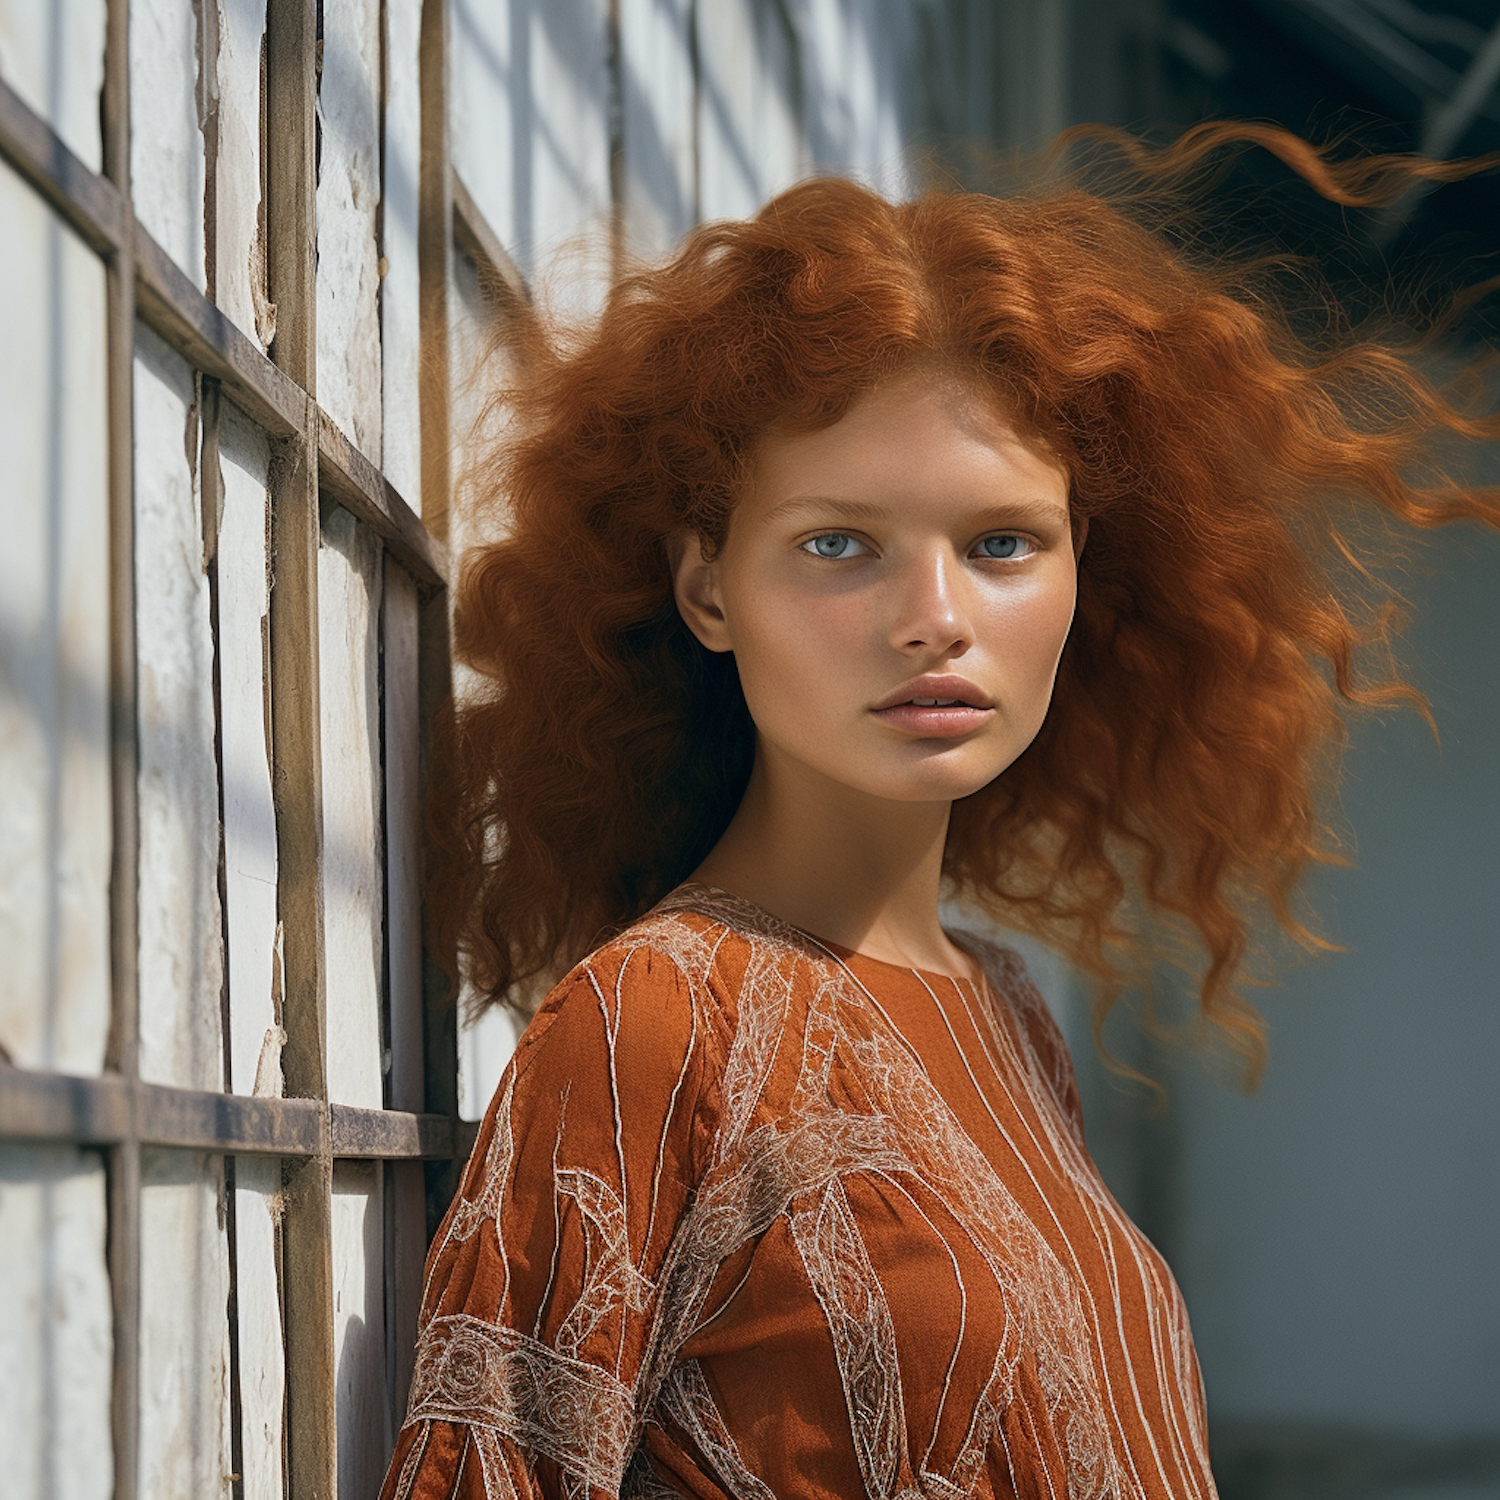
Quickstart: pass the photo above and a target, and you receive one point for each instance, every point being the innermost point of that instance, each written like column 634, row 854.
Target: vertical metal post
column 291, row 100
column 435, row 268
column 124, row 1160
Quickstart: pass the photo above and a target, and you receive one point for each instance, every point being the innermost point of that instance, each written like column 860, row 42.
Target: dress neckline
column 725, row 906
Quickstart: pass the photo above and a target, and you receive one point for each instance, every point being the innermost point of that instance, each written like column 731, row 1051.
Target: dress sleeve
column 542, row 1284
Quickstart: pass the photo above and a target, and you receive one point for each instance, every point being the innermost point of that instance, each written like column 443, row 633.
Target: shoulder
column 1043, row 1048
column 646, row 998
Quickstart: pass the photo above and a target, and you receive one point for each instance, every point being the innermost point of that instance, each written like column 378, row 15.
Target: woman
column 861, row 554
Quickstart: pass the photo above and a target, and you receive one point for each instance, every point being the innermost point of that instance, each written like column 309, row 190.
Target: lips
column 944, row 691
column 936, row 707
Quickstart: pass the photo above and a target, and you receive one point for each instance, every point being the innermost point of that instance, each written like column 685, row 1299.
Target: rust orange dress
column 755, row 1216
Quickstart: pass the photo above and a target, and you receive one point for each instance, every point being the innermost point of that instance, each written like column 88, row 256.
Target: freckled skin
column 819, row 640
column 945, row 548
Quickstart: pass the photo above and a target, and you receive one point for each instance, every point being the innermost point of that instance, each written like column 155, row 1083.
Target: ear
column 695, row 586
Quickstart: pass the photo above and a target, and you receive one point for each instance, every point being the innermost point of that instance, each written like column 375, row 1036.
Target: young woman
column 862, row 554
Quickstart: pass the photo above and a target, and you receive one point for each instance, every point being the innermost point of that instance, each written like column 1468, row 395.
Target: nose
column 932, row 612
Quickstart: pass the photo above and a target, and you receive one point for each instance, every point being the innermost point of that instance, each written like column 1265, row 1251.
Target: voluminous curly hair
column 1228, row 466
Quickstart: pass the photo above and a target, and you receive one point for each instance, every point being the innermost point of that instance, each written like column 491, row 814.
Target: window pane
column 181, row 937
column 55, row 1325
column 54, row 642
column 185, row 1442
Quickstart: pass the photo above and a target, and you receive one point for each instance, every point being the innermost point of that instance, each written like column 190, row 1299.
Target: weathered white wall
column 349, row 578
column 166, row 143
column 254, row 959
column 856, row 65
column 185, row 1413
column 181, row 936
column 531, row 128
column 257, row 1215
column 52, row 55
column 779, row 91
column 750, row 107
column 401, row 353
column 478, row 365
column 365, row 1431
column 55, row 1325
column 657, row 124
column 54, row 643
column 239, row 269
column 349, row 387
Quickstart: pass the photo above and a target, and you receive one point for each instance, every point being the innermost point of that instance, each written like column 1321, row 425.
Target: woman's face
column 896, row 589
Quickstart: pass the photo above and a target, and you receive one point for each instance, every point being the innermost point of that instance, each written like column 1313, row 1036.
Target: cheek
column 796, row 654
column 1027, row 635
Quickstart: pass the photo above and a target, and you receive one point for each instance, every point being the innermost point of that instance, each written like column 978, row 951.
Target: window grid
column 314, row 464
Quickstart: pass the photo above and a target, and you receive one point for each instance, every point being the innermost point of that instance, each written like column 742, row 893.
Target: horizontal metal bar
column 391, row 1135
column 168, row 302
column 501, row 276
column 103, row 1111
column 346, row 475
column 213, row 343
column 91, row 204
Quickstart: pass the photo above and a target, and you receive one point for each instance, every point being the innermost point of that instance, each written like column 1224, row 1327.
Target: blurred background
column 252, row 256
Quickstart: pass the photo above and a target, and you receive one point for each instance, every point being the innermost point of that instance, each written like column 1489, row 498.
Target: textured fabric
column 753, row 1216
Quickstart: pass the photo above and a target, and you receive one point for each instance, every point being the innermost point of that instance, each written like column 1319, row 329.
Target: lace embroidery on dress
column 767, row 1160
column 864, row 1335
column 688, row 1400
column 500, row 1380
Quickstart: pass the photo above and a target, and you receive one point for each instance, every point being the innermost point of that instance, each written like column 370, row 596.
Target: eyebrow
column 862, row 510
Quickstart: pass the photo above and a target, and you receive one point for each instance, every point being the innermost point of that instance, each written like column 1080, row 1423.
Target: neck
column 857, row 870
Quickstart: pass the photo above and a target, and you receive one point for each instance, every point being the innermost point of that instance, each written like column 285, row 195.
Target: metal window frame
column 314, row 465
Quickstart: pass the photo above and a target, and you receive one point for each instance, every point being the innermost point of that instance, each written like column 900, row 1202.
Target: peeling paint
column 400, row 333
column 250, row 858
column 349, row 579
column 181, row 962
column 349, row 381
column 54, row 642
column 166, row 141
column 239, row 248
column 184, row 1327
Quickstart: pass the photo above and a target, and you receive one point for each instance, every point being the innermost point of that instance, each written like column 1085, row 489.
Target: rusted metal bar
column 297, row 756
column 109, row 1110
column 168, row 302
column 347, row 476
column 434, row 674
column 209, row 341
column 392, row 1135
column 499, row 275
column 435, row 268
column 93, row 205
column 106, row 202
column 307, row 1254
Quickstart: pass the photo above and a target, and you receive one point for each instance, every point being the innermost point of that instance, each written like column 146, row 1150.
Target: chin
column 949, row 788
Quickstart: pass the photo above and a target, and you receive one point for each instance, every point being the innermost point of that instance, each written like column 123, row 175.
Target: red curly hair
column 1225, row 465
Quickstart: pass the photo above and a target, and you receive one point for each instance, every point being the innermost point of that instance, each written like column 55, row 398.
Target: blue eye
column 832, row 544
column 1004, row 546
